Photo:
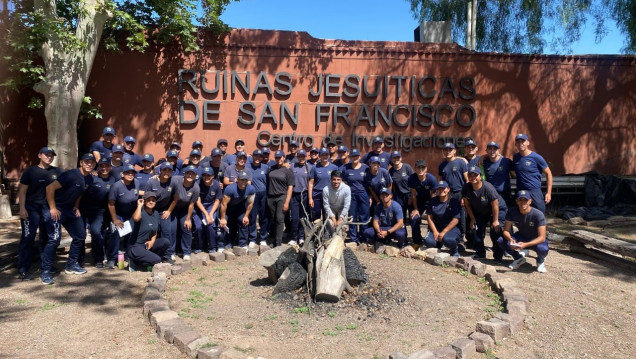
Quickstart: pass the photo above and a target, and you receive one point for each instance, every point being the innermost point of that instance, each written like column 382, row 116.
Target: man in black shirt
column 280, row 185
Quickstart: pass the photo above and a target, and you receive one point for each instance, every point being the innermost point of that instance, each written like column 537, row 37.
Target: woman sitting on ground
column 146, row 249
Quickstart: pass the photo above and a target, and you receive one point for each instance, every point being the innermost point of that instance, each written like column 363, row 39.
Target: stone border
column 169, row 327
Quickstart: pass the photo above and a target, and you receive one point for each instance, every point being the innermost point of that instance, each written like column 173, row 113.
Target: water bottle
column 120, row 260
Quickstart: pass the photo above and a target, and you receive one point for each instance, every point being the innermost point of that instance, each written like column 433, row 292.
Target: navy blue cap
column 257, row 153
column 172, row 153
column 128, row 168
column 197, row 143
column 449, row 145
column 241, row 154
column 301, row 153
column 377, row 139
column 374, row 159
column 385, row 190
column 216, row 152
column 420, row 163
column 396, row 154
column 149, row 194
column 265, row 150
column 279, row 153
column 165, row 165
column 220, row 141
column 176, row 144
column 474, row 169
column 342, row 148
column 195, row 153
column 87, row 156
column 239, row 140
column 207, row 171
column 332, row 143
column 470, row 142
column 190, row 168
column 492, row 144
column 130, row 139
column 354, row 152
column 47, row 150
column 442, row 184
column 242, row 175
column 108, row 131
column 524, row 194
column 323, row 151
column 293, row 143
column 148, row 157
column 104, row 160
column 315, row 149
column 521, row 136
column 118, row 148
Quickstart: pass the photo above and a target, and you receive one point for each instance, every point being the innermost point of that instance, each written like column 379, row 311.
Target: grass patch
column 331, row 314
column 270, row 317
column 248, row 326
column 329, row 333
column 352, row 326
column 365, row 337
column 152, row 341
column 21, row 302
column 304, row 309
column 50, row 306
column 248, row 350
column 293, row 322
column 383, row 256
column 339, row 328
column 465, row 273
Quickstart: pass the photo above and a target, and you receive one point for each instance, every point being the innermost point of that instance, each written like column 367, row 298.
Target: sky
column 379, row 20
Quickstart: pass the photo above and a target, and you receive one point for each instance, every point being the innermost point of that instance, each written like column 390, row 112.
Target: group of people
column 152, row 210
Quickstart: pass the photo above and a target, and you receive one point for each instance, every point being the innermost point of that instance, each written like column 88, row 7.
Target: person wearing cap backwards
column 146, row 249
column 355, row 176
column 32, row 198
column 314, row 156
column 238, row 201
column 63, row 196
column 377, row 178
column 530, row 234
column 217, row 164
column 163, row 188
column 443, row 214
column 376, row 150
column 293, row 152
column 93, row 207
column 528, row 166
column 336, row 199
column 422, row 186
column 130, row 157
column 280, row 185
column 240, row 165
column 400, row 173
column 471, row 156
column 388, row 223
column 343, row 156
column 332, row 146
column 239, row 146
column 206, row 212
column 497, row 170
column 102, row 149
column 185, row 194
column 321, row 176
column 146, row 171
column 116, row 161
column 484, row 206
column 122, row 201
column 302, row 196
column 259, row 212
column 453, row 170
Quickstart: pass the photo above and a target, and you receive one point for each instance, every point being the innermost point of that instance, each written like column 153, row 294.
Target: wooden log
column 578, row 247
column 329, row 268
column 623, row 248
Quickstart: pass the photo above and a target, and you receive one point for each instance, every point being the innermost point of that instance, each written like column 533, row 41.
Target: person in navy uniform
column 239, row 146
column 221, row 144
column 147, row 170
column 377, row 178
column 497, row 169
column 530, row 234
column 32, row 198
column 332, row 146
column 130, row 157
column 293, row 152
column 122, row 201
column 259, row 212
column 176, row 147
column 302, row 196
column 195, row 161
column 102, row 149
column 400, row 173
column 218, row 166
column 322, row 178
column 186, row 192
column 376, row 150
column 453, row 170
column 93, row 207
column 63, row 197
column 238, row 201
column 355, row 176
column 484, row 206
column 240, row 165
column 117, row 161
column 266, row 160
column 528, row 167
column 443, row 214
column 163, row 188
column 314, row 156
column 280, row 185
column 343, row 156
column 471, row 155
column 205, row 216
column 146, row 249
column 422, row 186
column 172, row 158
column 388, row 222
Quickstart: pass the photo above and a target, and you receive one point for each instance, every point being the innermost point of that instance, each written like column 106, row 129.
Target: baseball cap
column 87, row 156
column 104, row 160
column 118, row 148
column 385, row 190
column 190, row 168
column 128, row 168
column 523, row 194
column 420, row 163
column 343, row 148
column 176, row 144
column 449, row 145
column 279, row 153
column 293, row 143
column 396, row 154
column 130, row 139
column 207, row 171
column 314, row 149
column 470, row 142
column 165, row 165
column 220, row 141
column 301, row 153
column 216, row 152
column 374, row 159
column 332, row 143
column 108, row 131
column 148, row 157
column 242, row 175
column 492, row 144
column 323, row 151
column 442, row 184
column 149, row 194
column 239, row 140
column 195, row 153
column 47, row 150
column 197, row 143
column 241, row 154
column 521, row 136
column 354, row 152
column 265, row 150
column 474, row 169
column 377, row 139
column 257, row 153
column 172, row 153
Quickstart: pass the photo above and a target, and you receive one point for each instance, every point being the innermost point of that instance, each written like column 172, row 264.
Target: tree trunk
column 330, row 271
column 67, row 74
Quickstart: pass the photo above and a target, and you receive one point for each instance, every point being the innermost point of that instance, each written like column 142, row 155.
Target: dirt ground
column 581, row 308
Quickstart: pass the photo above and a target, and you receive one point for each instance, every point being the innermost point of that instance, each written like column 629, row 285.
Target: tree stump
column 330, row 267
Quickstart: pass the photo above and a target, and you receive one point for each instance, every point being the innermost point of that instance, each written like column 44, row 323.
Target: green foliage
column 304, row 309
column 530, row 26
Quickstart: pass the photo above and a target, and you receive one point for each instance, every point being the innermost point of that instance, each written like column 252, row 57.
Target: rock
column 380, row 249
column 445, row 353
column 177, row 270
column 163, row 327
column 196, row 260
column 154, row 305
column 229, row 256
column 232, row 354
column 209, row 353
column 576, row 220
column 164, row 268
column 398, row 355
column 352, row 245
column 407, row 252
column 239, row 251
column 497, row 329
column 503, row 282
column 172, row 331
column 252, row 252
column 450, row 261
column 483, row 341
column 465, row 263
column 364, row 247
column 515, row 321
column 422, row 354
column 5, row 206
column 217, row 257
column 490, row 269
column 420, row 254
column 391, row 251
column 182, row 340
column 263, row 249
column 150, row 293
column 193, row 346
column 162, row 316
column 204, row 257
column 161, row 280
column 186, row 265
column 439, row 258
column 464, row 348
column 514, row 306
column 478, row 268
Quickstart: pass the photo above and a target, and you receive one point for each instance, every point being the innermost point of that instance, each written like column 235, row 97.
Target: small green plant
column 248, row 350
column 270, row 317
column 248, row 326
column 293, row 322
column 183, row 314
column 174, row 289
column 472, row 297
column 384, row 255
column 339, row 327
column 352, row 326
column 21, row 302
column 304, row 309
column 201, row 279
column 331, row 314
column 490, row 354
column 481, row 280
column 209, row 345
column 329, row 333
column 152, row 341
column 196, row 293
column 49, row 306
column 445, row 265
column 365, row 336
column 210, row 317
column 463, row 272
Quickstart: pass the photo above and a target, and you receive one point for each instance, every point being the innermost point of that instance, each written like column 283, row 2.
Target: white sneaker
column 221, row 250
column 244, row 247
column 263, row 243
column 292, row 243
column 173, row 257
column 252, row 245
column 302, row 241
column 517, row 263
column 186, row 257
column 541, row 267
column 524, row 252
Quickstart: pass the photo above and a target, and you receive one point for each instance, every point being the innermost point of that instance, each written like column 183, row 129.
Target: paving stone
column 445, row 353
column 193, row 346
column 431, row 252
column 464, row 348
column 515, row 321
column 450, row 261
column 239, row 251
column 391, row 251
column 483, row 341
column 186, row 265
column 232, row 354
column 263, row 249
column 439, row 258
column 380, row 249
column 163, row 326
column 407, row 252
column 150, row 293
column 161, row 280
column 164, row 268
column 398, row 355
column 172, row 331
column 162, row 316
column 158, row 286
column 217, row 257
column 204, row 257
column 177, row 270
column 478, row 268
column 209, row 353
column 352, row 245
column 420, row 254
column 422, row 354
column 517, row 306
column 364, row 247
column 153, row 306
column 252, row 252
column 497, row 329
column 196, row 260
column 229, row 256
column 490, row 269
column 505, row 281
column 181, row 340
